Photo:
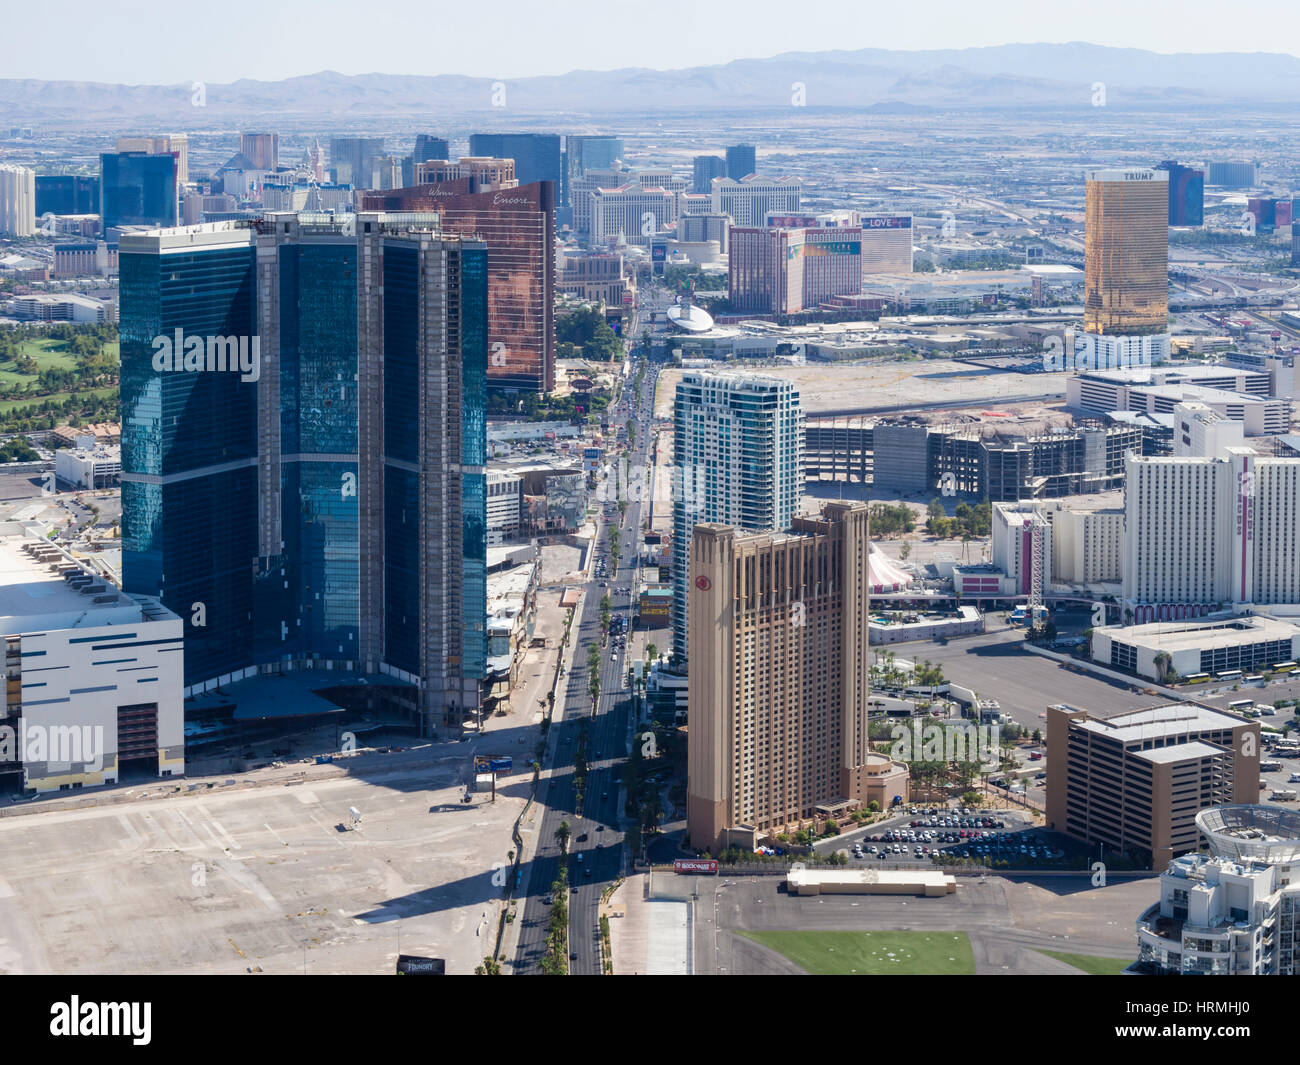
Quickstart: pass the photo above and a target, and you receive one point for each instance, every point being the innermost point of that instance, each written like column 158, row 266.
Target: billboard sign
column 695, row 865
column 414, row 965
column 886, row 221
column 485, row 764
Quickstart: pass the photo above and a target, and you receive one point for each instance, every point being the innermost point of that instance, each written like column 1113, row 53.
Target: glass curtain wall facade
column 138, row 189
column 537, row 156
column 1126, row 259
column 309, row 603
column 189, row 444
column 331, row 512
column 738, row 453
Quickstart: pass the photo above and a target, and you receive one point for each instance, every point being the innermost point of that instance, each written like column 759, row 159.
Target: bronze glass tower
column 1126, row 282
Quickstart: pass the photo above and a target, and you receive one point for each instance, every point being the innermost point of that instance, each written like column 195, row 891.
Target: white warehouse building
column 1212, row 645
column 93, row 682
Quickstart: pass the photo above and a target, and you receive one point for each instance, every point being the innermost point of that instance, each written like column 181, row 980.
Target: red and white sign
column 695, row 865
column 703, row 583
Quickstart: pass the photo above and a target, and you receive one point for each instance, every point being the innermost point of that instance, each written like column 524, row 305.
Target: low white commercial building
column 1214, row 645
column 927, row 883
column 1095, row 351
column 93, row 677
column 63, row 308
column 1237, row 394
column 89, row 465
column 504, row 496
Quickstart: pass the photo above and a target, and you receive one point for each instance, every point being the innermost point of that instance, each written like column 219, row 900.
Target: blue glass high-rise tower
column 328, row 510
column 138, row 189
column 189, row 441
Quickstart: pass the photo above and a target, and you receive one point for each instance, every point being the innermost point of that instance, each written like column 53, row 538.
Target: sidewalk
column 531, row 821
column 629, row 935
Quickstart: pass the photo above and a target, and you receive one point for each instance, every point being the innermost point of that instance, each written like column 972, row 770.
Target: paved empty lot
column 889, row 383
column 995, row 666
column 224, row 880
column 1008, row 922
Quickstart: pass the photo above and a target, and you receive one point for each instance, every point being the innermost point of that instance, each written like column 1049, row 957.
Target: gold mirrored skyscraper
column 1126, row 277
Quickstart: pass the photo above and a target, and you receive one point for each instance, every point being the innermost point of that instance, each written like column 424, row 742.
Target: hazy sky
column 152, row 42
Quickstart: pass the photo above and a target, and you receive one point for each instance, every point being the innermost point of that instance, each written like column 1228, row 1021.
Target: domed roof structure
column 1252, row 832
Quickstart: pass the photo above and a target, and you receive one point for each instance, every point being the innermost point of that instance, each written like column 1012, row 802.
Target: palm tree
column 562, row 836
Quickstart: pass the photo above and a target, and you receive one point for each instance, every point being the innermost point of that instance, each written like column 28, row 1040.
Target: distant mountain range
column 1012, row 76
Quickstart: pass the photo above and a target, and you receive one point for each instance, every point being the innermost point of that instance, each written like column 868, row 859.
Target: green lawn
column 1092, row 964
column 49, row 354
column 873, row 953
column 35, row 401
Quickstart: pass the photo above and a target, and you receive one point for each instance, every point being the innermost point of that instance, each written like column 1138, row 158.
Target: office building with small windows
column 778, row 692
column 742, row 160
column 504, row 496
column 1134, row 780
column 751, row 199
column 704, row 168
column 737, row 459
column 1210, row 531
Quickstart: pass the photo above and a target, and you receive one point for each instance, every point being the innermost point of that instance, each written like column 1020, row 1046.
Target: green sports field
column 873, row 953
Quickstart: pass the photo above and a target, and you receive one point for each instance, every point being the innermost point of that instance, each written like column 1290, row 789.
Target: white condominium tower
column 738, row 460
column 17, row 201
column 1211, row 530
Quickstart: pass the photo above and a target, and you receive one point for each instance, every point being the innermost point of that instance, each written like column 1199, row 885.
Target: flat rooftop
column 1170, row 373
column 1174, row 636
column 866, row 878
column 34, row 597
column 1178, row 752
column 1176, row 719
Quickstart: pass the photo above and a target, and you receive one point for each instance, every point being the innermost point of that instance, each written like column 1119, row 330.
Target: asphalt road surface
column 606, row 750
